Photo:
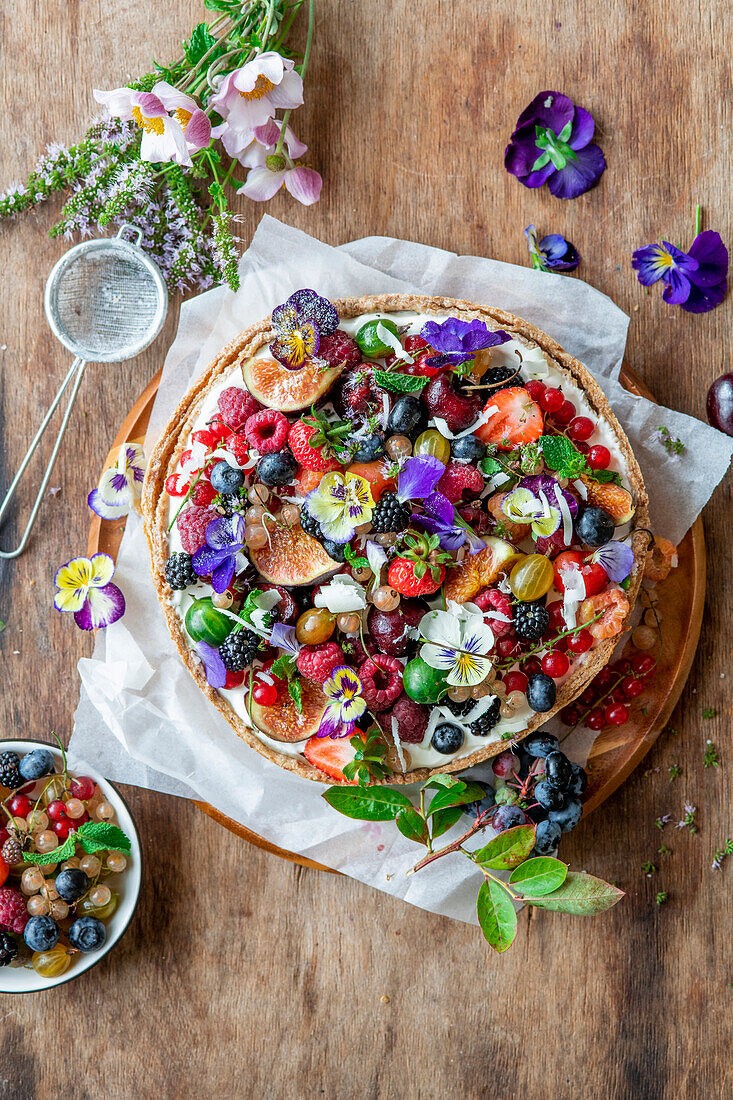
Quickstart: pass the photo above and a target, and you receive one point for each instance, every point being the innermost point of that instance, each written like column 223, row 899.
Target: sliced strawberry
column 330, row 755
column 517, row 419
column 593, row 574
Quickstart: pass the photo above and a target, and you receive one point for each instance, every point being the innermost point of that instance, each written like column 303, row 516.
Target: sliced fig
column 287, row 390
column 293, row 558
column 284, row 722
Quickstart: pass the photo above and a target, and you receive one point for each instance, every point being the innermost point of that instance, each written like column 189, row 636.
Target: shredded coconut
column 581, row 489
column 567, row 519
column 573, row 595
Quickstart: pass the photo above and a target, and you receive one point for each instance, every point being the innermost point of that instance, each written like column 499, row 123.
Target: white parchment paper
column 141, row 719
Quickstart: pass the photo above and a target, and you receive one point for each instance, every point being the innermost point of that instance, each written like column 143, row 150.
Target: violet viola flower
column 224, row 540
column 418, row 477
column 216, row 673
column 552, row 144
column 440, row 518
column 696, row 280
column 552, row 253
column 299, row 324
column 458, row 341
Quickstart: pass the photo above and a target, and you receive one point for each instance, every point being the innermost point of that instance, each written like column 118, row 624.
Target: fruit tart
column 393, row 535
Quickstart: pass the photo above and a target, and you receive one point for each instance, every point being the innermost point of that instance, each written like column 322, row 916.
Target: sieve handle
column 76, row 373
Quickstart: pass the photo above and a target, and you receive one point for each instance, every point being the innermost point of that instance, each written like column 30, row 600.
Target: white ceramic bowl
column 23, row 979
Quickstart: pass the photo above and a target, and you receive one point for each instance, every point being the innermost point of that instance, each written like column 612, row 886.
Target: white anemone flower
column 173, row 124
column 457, row 641
column 250, row 95
column 269, row 171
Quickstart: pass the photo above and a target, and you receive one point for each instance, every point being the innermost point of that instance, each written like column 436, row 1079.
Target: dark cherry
column 389, row 629
column 720, row 404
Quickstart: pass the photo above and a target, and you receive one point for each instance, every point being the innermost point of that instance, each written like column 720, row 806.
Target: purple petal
column 313, row 307
column 439, row 507
column 548, row 485
column 712, row 257
column 521, row 154
column 559, row 254
column 198, row 130
column 220, row 533
column 221, row 577
column 216, row 674
column 442, row 337
column 649, row 263
column 283, row 637
column 616, row 558
column 580, row 175
column 418, row 477
column 678, row 287
column 331, row 724
column 106, row 511
column 685, row 263
column 583, row 127
column 205, row 561
column 451, row 360
column 703, row 299
column 551, row 109
column 103, row 606
column 450, row 537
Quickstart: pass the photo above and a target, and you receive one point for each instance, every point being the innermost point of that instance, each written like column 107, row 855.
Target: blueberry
column 536, row 814
column 226, row 478
column 594, row 527
column 558, row 771
column 508, row 817
column 541, row 744
column 467, row 449
column 370, row 447
column 278, row 468
column 335, row 550
column 548, row 796
column 36, row 764
column 569, row 816
column 579, row 782
column 525, row 761
column 483, row 804
column 447, row 738
column 71, row 883
column 541, row 692
column 409, row 416
column 87, row 934
column 547, row 838
column 41, row 933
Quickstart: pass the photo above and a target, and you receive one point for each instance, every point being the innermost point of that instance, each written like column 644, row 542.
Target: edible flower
column 248, row 96
column 120, row 485
column 696, row 280
column 441, row 518
column 216, row 673
column 345, row 703
column 283, row 637
column 552, row 253
column 457, row 641
column 418, row 477
column 271, row 163
column 616, row 558
column 458, row 341
column 173, row 124
column 85, row 588
column 551, row 144
column 522, row 506
column 299, row 324
column 341, row 503
column 224, row 540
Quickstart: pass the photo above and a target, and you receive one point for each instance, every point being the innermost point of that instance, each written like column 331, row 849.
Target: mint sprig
column 562, row 456
column 400, row 383
column 93, row 836
column 354, row 560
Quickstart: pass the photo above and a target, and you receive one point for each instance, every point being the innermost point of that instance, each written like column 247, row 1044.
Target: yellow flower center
column 183, row 116
column 262, row 87
column 150, row 125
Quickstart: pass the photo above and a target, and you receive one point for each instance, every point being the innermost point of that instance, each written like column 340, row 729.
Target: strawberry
column 420, row 350
column 517, row 419
column 317, row 443
column 330, row 755
column 594, row 575
column 418, row 570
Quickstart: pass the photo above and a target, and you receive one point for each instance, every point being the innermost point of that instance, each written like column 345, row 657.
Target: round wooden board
column 616, row 751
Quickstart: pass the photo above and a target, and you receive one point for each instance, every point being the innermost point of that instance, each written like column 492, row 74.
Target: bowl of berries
column 70, row 867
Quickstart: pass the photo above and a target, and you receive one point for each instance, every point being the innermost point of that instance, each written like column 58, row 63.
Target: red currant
column 204, row 436
column 643, row 664
column 535, row 389
column 594, row 577
column 531, row 666
column 557, row 619
column 174, row 488
column 555, row 664
column 604, row 677
column 580, row 429
column 515, row 681
column 599, row 458
column 582, row 448
column 565, row 413
column 82, row 787
column 580, row 642
column 632, row 687
column 564, row 561
column 617, row 714
column 219, row 431
column 596, row 719
column 588, row 697
column 234, row 679
column 506, row 646
column 623, row 665
column 552, row 400
column 267, row 667
column 56, row 810
column 62, row 828
column 19, row 805
column 569, row 715
column 265, row 694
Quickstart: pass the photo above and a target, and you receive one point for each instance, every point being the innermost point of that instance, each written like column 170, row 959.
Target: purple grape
column 508, row 817
column 720, row 404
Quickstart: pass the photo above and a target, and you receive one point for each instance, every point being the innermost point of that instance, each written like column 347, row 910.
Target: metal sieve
column 105, row 301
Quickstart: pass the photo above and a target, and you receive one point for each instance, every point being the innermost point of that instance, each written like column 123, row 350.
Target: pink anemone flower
column 173, row 124
column 268, row 170
column 250, row 95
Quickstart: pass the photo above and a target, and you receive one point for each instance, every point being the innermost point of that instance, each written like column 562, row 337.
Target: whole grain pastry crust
column 166, row 454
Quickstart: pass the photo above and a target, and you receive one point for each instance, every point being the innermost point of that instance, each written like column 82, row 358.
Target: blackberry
column 500, row 378
column 9, row 774
column 240, row 649
column 483, row 726
column 460, row 709
column 179, row 571
column 531, row 620
column 228, row 504
column 310, row 524
column 390, row 514
column 8, row 949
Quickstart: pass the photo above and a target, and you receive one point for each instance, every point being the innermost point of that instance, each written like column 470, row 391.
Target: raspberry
column 491, row 599
column 267, row 431
column 317, row 662
column 192, row 524
column 412, row 720
column 457, row 479
column 13, row 913
column 381, row 679
column 339, row 349
column 236, row 406
column 203, row 494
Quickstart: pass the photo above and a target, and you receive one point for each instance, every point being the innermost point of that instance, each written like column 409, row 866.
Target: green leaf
column 296, row 694
column 200, row 41
column 444, row 820
column 580, row 894
column 455, row 796
column 508, row 849
column 442, row 780
column 539, row 876
column 603, row 476
column 411, row 825
column 496, row 916
column 95, row 836
column 562, row 456
column 2, row 626
column 490, row 466
column 354, row 560
column 64, row 851
column 400, row 383
column 367, row 804
column 283, row 667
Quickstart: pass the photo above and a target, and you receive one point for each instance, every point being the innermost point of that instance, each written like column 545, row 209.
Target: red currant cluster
column 605, row 702
column 561, row 412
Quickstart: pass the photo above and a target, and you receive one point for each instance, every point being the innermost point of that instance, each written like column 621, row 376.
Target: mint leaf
column 283, row 667
column 496, row 916
column 296, row 694
column 539, row 876
column 581, row 894
column 354, row 560
column 95, row 836
column 200, row 41
column 64, row 851
column 508, row 849
column 604, row 476
column 411, row 825
column 444, row 820
column 367, row 804
column 490, row 466
column 250, row 604
column 400, row 383
column 2, row 626
column 562, row 456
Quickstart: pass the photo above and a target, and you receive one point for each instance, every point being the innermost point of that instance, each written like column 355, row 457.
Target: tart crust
column 166, row 454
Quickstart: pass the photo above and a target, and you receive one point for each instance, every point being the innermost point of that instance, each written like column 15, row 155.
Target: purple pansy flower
column 616, row 558
column 283, row 637
column 418, row 477
column 299, row 324
column 441, row 519
column 345, row 703
column 552, row 144
column 552, row 253
column 458, row 341
column 84, row 587
column 216, row 673
column 696, row 280
column 224, row 540
column 120, row 485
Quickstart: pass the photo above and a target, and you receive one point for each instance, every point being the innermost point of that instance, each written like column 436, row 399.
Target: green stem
column 309, row 39
column 285, row 26
column 698, row 219
column 504, row 886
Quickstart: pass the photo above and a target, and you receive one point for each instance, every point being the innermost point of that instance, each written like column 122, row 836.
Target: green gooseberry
column 369, row 342
column 206, row 623
column 87, row 908
column 431, row 442
column 423, row 683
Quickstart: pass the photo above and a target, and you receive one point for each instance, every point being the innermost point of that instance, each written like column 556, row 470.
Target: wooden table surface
column 243, row 975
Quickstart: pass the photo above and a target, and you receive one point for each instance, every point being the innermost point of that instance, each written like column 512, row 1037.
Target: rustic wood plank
column 243, row 975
